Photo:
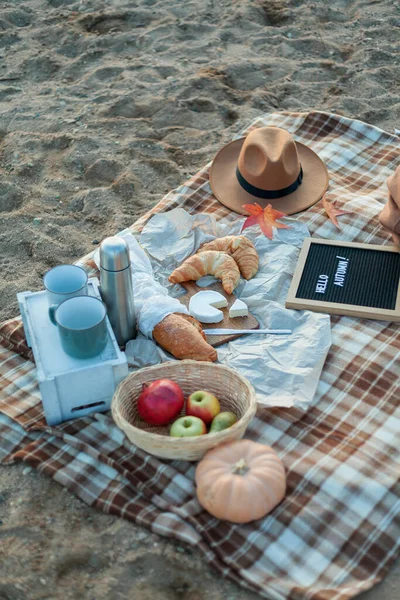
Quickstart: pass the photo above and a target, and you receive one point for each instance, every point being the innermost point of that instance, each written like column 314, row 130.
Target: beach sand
column 104, row 107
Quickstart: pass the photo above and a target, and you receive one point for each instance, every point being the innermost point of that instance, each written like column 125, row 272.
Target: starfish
column 332, row 211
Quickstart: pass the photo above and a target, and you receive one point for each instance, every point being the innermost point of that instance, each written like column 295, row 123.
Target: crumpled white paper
column 142, row 352
column 171, row 237
column 284, row 370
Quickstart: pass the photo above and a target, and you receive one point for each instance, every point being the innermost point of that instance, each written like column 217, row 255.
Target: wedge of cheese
column 204, row 306
column 238, row 309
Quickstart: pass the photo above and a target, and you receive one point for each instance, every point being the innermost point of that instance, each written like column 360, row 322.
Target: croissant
column 183, row 337
column 208, row 263
column 240, row 248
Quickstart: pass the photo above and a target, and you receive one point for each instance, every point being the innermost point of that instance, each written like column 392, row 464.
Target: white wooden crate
column 70, row 387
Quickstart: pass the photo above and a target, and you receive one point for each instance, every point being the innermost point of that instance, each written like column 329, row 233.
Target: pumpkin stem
column 241, row 467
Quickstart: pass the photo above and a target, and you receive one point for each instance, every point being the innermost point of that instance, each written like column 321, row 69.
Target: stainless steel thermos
column 116, row 287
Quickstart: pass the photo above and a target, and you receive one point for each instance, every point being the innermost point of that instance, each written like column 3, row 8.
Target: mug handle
column 52, row 313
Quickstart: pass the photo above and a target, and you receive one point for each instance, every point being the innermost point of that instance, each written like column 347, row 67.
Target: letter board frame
column 342, row 308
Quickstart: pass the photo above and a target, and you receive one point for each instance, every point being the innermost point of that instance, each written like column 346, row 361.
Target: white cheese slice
column 238, row 309
column 205, row 304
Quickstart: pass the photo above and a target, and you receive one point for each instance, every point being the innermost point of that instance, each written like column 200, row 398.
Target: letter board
column 345, row 278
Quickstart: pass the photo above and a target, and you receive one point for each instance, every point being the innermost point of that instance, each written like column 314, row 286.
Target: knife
column 230, row 331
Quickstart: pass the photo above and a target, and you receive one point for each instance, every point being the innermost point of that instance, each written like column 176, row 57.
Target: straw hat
column 268, row 167
column 390, row 215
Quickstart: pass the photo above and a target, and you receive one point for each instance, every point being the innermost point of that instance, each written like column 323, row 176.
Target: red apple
column 160, row 402
column 204, row 405
column 188, row 427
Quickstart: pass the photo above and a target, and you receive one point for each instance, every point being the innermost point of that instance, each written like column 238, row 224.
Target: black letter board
column 343, row 278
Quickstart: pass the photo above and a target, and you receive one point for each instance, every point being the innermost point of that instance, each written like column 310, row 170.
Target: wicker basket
column 233, row 391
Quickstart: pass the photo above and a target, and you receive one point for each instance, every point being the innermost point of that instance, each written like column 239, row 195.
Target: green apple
column 188, row 427
column 203, row 405
column 222, row 421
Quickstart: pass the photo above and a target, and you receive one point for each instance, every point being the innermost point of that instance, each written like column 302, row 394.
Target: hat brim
column 227, row 189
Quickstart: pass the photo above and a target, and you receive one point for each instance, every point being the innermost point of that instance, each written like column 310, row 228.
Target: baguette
column 183, row 337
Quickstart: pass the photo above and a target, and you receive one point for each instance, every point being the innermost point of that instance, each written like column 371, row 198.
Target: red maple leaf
column 332, row 211
column 266, row 218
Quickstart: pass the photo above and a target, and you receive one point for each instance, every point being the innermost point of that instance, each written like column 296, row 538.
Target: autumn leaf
column 332, row 211
column 266, row 218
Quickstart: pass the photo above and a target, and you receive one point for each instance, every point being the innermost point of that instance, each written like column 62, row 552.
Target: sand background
column 104, row 107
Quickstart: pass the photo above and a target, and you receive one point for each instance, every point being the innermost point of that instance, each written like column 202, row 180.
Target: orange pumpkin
column 240, row 481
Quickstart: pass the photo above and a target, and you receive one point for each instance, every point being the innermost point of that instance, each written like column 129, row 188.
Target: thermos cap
column 114, row 254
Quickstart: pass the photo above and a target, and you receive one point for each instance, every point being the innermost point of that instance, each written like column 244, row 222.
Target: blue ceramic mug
column 82, row 326
column 63, row 282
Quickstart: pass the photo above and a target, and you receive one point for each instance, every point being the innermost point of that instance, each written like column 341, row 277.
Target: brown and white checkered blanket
column 338, row 530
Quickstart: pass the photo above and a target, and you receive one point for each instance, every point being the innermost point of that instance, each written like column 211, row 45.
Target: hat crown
column 268, row 159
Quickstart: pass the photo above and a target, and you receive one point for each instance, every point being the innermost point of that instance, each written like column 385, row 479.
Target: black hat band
column 269, row 194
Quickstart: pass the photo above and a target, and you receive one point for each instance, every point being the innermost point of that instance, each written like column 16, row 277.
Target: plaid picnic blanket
column 338, row 530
